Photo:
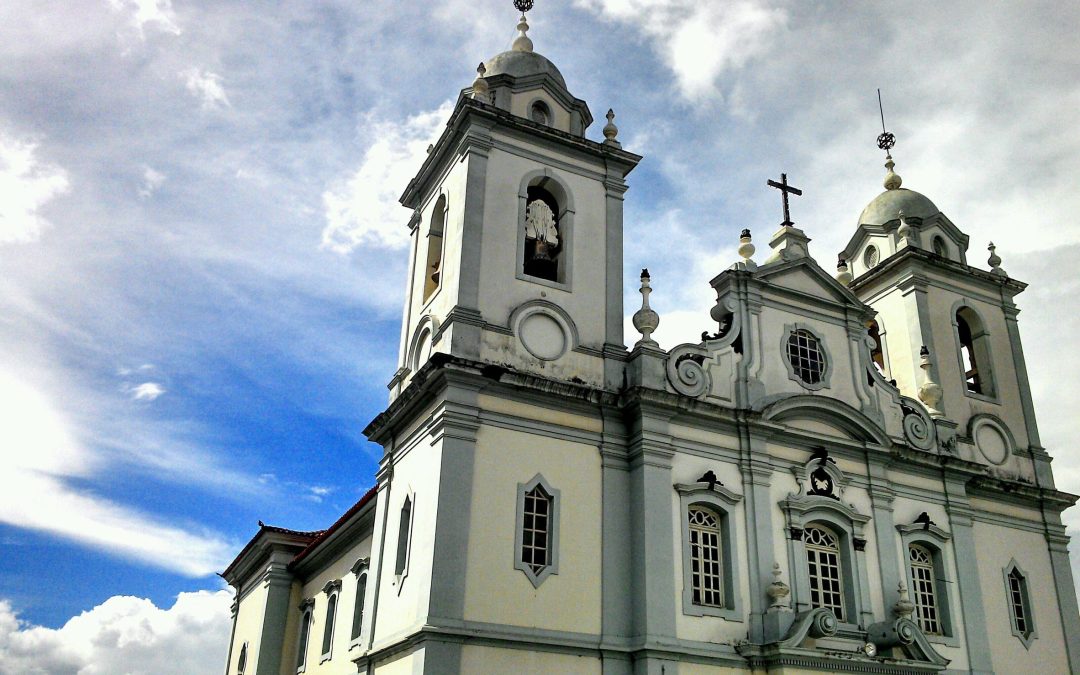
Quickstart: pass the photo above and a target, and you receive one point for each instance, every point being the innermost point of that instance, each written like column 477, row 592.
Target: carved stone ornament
column 778, row 591
column 918, row 427
column 904, row 606
column 686, row 370
column 540, row 223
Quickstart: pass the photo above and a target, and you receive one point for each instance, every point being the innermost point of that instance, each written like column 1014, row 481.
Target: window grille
column 706, row 568
column 1018, row 603
column 823, row 562
column 536, row 530
column 923, row 589
column 806, row 357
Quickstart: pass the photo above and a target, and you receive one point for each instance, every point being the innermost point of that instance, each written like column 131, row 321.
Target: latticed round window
column 806, row 356
column 872, row 257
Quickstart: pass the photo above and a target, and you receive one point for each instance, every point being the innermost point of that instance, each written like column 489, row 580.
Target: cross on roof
column 784, row 190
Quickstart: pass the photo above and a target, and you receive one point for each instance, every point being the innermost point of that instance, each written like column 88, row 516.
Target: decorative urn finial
column 843, row 272
column 747, row 249
column 930, row 391
column 778, row 590
column 995, row 261
column 480, row 85
column 610, row 130
column 904, row 606
column 886, row 141
column 522, row 43
column 645, row 319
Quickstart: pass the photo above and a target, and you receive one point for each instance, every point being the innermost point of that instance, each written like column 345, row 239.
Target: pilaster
column 881, row 504
column 616, row 620
column 278, row 583
column 976, row 639
column 756, row 470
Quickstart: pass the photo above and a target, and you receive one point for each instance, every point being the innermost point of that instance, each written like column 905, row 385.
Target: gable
column 805, row 278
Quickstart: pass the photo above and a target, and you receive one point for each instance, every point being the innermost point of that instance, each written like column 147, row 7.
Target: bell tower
column 946, row 331
column 517, row 229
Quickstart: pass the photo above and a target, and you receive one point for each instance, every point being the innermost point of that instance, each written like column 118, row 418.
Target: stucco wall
column 490, row 660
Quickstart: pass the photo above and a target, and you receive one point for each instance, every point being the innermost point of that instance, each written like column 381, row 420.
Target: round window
column 540, row 113
column 806, row 356
column 940, row 247
column 872, row 257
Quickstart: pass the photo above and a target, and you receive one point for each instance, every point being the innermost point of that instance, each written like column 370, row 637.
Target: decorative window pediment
column 710, row 563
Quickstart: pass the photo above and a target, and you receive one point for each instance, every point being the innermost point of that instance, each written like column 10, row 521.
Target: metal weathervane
column 885, row 141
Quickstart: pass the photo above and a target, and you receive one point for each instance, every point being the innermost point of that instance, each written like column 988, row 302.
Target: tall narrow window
column 328, row 626
column 536, row 530
column 877, row 352
column 404, row 527
column 358, row 608
column 241, row 663
column 543, row 244
column 824, row 567
column 924, row 589
column 433, row 268
column 540, row 113
column 706, row 556
column 302, row 647
column 974, row 352
column 1019, row 603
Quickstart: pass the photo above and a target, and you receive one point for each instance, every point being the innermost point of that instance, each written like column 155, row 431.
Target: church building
column 844, row 476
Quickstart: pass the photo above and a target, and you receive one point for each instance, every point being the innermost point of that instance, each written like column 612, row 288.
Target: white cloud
column 39, row 453
column 364, row 209
column 206, row 86
column 26, row 185
column 147, row 391
column 156, row 13
column 123, row 635
column 698, row 41
column 152, row 180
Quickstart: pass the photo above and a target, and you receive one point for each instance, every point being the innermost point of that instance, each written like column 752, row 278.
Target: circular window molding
column 544, row 329
column 992, row 438
column 871, row 257
column 806, row 357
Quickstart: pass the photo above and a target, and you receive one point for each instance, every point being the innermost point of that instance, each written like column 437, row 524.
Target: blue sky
column 201, row 254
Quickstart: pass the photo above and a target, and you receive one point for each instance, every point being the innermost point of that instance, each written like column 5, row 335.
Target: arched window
column 924, row 590
column 877, row 352
column 940, row 247
column 974, row 352
column 543, row 242
column 358, row 607
column 328, row 625
column 404, row 528
column 433, row 268
column 540, row 113
column 825, row 569
column 706, row 557
column 305, row 633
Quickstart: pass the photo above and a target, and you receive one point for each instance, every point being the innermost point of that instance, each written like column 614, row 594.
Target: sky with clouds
column 202, row 257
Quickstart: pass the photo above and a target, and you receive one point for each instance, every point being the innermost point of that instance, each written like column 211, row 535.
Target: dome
column 887, row 205
column 522, row 64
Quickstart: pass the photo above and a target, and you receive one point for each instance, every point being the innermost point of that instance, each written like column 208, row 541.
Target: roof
column 328, row 532
column 887, row 205
column 521, row 64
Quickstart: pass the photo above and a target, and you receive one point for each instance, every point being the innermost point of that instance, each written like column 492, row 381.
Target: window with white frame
column 537, row 533
column 1019, row 602
column 924, row 590
column 332, row 590
column 358, row 606
column 824, row 569
column 305, row 633
column 706, row 557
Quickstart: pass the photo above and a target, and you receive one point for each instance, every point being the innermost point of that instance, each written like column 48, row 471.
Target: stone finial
column 610, row 130
column 480, row 85
column 892, row 179
column 904, row 606
column 907, row 231
column 645, row 319
column 995, row 261
column 843, row 271
column 746, row 250
column 930, row 391
column 522, row 43
column 778, row 591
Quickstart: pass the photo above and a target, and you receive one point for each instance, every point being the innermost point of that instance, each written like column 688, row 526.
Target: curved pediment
column 825, row 416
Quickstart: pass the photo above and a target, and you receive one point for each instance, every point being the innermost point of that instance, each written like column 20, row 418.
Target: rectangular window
column 823, row 565
column 923, row 590
column 706, row 567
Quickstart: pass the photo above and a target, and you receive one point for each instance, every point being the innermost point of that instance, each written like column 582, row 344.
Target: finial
column 886, row 141
column 610, row 130
column 778, row 590
column 903, row 607
column 746, row 250
column 995, row 261
column 522, row 43
column 843, row 272
column 480, row 85
column 645, row 319
column 930, row 391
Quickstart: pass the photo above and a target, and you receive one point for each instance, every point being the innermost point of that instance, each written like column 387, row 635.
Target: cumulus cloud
column 698, row 41
column 206, row 86
column 123, row 635
column 154, row 13
column 40, row 455
column 26, row 185
column 147, row 391
column 363, row 208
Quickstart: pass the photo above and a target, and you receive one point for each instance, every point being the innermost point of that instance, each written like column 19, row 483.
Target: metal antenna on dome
column 885, row 141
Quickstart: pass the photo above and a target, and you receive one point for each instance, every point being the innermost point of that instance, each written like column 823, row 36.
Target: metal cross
column 784, row 190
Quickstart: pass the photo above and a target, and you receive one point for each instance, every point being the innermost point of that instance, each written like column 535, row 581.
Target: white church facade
column 846, row 476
